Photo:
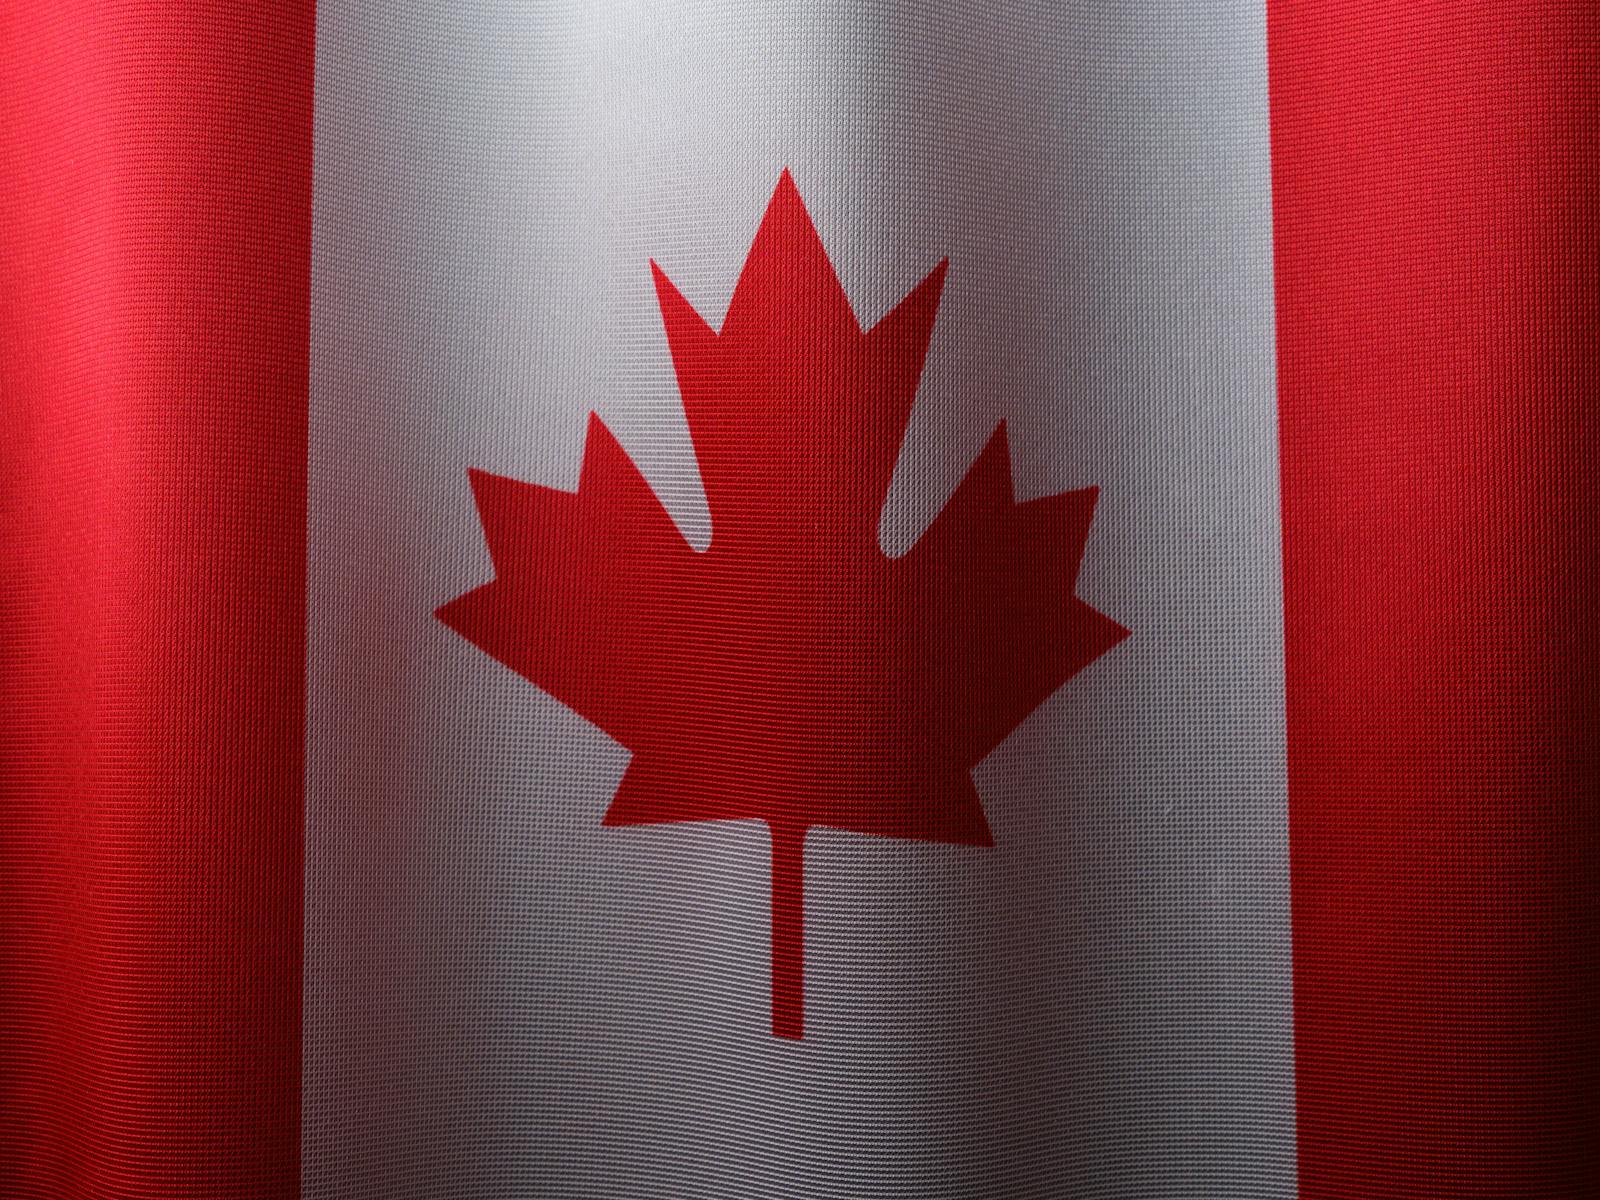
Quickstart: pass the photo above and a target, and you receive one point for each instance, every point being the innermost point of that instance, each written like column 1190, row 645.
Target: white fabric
column 503, row 997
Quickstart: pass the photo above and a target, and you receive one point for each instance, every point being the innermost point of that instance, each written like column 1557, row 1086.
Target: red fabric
column 1434, row 198
column 154, row 275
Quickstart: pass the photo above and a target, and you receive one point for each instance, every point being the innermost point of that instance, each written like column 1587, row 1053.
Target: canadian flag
column 607, row 599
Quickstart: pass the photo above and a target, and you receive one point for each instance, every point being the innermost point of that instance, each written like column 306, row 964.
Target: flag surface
column 725, row 600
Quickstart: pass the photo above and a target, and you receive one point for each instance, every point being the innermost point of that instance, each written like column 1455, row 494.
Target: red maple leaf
column 791, row 672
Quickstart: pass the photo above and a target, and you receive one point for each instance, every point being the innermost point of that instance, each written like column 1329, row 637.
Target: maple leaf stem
column 788, row 930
